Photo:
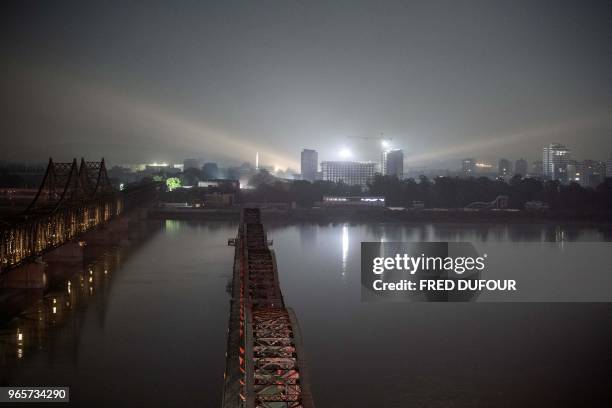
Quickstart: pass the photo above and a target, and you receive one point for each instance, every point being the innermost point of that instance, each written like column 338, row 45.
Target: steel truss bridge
column 265, row 366
column 71, row 200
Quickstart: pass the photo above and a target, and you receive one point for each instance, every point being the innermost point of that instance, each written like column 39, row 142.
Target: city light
column 344, row 153
column 385, row 144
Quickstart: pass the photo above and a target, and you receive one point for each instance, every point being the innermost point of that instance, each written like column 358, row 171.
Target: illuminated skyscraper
column 468, row 166
column 349, row 172
column 392, row 163
column 555, row 159
column 309, row 164
column 504, row 168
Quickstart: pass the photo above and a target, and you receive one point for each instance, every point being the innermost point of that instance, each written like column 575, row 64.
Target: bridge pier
column 64, row 261
column 28, row 276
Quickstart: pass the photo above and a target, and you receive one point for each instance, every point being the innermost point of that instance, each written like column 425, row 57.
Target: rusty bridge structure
column 265, row 364
column 72, row 199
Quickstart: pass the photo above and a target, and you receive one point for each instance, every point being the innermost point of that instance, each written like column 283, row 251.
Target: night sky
column 144, row 81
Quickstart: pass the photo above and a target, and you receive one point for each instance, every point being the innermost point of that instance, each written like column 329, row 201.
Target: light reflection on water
column 156, row 314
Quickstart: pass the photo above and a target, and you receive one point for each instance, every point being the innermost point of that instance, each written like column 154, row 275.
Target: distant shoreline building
column 504, row 168
column 309, row 164
column 520, row 167
column 537, row 169
column 555, row 159
column 468, row 167
column 192, row 164
column 349, row 172
column 392, row 163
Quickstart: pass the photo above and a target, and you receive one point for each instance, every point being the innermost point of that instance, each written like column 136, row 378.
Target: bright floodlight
column 345, row 153
column 385, row 143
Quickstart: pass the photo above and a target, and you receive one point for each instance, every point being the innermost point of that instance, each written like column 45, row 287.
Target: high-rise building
column 468, row 167
column 392, row 163
column 555, row 159
column 192, row 164
column 349, row 172
column 609, row 166
column 310, row 164
column 210, row 171
column 593, row 172
column 520, row 167
column 537, row 168
column 504, row 168
column 575, row 172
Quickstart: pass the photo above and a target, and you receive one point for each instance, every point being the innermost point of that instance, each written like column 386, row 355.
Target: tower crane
column 385, row 139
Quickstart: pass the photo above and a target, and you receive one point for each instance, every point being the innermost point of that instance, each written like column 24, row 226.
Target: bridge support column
column 71, row 253
column 28, row 276
column 65, row 261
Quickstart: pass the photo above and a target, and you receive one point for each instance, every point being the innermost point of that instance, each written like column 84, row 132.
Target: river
column 145, row 323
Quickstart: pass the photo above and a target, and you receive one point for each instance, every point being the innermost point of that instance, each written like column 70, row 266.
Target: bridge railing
column 70, row 201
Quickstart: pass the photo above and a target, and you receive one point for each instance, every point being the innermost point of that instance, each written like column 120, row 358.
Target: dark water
column 151, row 331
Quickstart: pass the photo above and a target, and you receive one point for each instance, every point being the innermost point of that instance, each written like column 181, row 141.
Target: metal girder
column 271, row 371
column 69, row 201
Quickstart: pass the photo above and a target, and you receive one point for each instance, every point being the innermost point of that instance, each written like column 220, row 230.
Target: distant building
column 593, row 172
column 555, row 159
column 468, row 167
column 160, row 168
column 210, row 170
column 310, row 164
column 504, row 168
column 224, row 184
column 243, row 172
column 192, row 164
column 574, row 172
column 609, row 166
column 221, row 186
column 393, row 163
column 335, row 201
column 349, row 172
column 537, row 169
column 520, row 167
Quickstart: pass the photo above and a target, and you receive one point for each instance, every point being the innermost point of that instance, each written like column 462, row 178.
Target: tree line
column 440, row 192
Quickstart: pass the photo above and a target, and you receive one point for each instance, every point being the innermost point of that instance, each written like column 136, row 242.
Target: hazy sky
column 142, row 81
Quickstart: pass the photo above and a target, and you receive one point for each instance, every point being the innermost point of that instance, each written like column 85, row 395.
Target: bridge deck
column 265, row 365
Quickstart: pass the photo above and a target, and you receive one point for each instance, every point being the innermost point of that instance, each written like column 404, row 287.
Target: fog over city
column 222, row 80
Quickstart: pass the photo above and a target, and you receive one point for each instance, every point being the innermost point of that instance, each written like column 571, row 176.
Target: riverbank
column 332, row 215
